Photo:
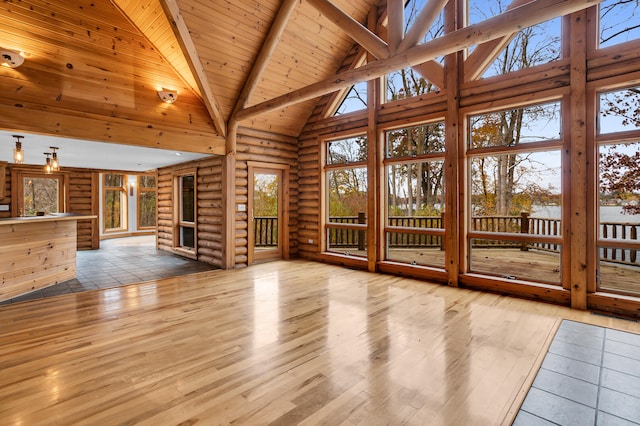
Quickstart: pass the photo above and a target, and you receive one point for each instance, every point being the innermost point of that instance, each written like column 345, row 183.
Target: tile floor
column 590, row 376
column 119, row 261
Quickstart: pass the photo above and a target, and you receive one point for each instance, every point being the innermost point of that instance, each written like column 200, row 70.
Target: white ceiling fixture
column 92, row 154
column 11, row 58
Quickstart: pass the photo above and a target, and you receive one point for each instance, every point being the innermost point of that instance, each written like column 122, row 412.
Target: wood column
column 578, row 159
column 229, row 211
column 454, row 156
column 375, row 170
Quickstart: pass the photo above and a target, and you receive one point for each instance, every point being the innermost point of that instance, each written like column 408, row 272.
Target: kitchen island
column 37, row 252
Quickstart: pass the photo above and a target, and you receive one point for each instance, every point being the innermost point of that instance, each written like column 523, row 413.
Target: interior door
column 268, row 239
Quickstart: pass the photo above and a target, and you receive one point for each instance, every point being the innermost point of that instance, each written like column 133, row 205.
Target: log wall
column 251, row 146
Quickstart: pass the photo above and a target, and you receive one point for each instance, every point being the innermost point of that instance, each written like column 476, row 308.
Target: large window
column 185, row 214
column 346, row 183
column 146, row 201
column 114, row 202
column 619, row 191
column 514, row 180
column 414, row 167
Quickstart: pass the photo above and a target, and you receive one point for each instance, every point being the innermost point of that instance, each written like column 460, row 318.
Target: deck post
column 524, row 229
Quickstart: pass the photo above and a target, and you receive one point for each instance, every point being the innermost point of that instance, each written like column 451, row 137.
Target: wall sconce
column 55, row 165
column 18, row 152
column 11, row 58
column 168, row 96
column 47, row 164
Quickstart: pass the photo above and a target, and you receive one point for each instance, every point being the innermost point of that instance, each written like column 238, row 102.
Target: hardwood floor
column 279, row 343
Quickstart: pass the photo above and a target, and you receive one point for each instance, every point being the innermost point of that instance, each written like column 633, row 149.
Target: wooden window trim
column 124, row 208
column 177, row 214
column 17, row 181
column 142, row 190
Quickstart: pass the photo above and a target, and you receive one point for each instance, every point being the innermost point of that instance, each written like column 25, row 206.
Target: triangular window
column 355, row 100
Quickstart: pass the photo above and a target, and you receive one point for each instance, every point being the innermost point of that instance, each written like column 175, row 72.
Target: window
column 355, row 100
column 414, row 168
column 531, row 46
column 619, row 110
column 346, row 183
column 114, row 202
column 618, row 22
column 419, row 80
column 618, row 144
column 147, row 193
column 185, row 214
column 40, row 194
column 514, row 180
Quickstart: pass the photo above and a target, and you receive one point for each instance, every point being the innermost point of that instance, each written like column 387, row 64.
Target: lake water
column 610, row 214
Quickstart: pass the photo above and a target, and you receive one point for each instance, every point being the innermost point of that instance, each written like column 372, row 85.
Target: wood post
column 577, row 240
column 524, row 228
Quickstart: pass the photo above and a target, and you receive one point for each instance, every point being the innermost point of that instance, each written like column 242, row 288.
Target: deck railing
column 266, row 233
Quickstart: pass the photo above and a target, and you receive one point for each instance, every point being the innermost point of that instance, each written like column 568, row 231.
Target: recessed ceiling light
column 178, row 154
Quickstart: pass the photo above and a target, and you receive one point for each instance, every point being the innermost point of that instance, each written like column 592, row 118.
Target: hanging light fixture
column 18, row 153
column 55, row 165
column 47, row 165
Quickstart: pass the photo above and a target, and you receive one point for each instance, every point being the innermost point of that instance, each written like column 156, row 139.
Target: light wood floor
column 282, row 343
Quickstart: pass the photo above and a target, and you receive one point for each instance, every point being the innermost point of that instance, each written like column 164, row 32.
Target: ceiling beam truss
column 507, row 23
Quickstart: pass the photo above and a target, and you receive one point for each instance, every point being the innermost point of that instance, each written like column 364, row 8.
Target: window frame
column 141, row 191
column 17, row 181
column 603, row 139
column 543, row 145
column 410, row 160
column 178, row 222
column 122, row 190
column 327, row 168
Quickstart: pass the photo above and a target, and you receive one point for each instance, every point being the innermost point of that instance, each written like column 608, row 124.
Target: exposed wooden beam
column 395, row 24
column 260, row 64
column 109, row 129
column 483, row 55
column 506, row 23
column 172, row 11
column 432, row 71
column 358, row 32
column 425, row 19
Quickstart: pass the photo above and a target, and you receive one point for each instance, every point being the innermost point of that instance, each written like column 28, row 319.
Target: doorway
column 268, row 216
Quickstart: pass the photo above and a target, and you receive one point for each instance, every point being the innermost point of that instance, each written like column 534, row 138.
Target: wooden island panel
column 36, row 252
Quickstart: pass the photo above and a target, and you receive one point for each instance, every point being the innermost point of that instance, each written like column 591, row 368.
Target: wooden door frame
column 283, row 208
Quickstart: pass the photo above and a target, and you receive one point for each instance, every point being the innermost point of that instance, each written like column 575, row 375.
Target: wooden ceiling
column 93, row 66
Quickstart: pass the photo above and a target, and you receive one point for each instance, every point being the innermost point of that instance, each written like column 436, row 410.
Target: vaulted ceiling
column 93, row 67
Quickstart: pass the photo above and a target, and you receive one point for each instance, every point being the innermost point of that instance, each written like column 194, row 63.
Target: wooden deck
column 532, row 265
column 280, row 343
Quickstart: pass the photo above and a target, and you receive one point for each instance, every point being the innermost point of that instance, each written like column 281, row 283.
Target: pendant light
column 18, row 153
column 55, row 165
column 47, row 165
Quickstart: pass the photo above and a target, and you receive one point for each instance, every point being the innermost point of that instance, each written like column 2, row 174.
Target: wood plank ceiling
column 93, row 67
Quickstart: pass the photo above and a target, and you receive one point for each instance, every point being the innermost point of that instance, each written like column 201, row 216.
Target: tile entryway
column 590, row 376
column 119, row 261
